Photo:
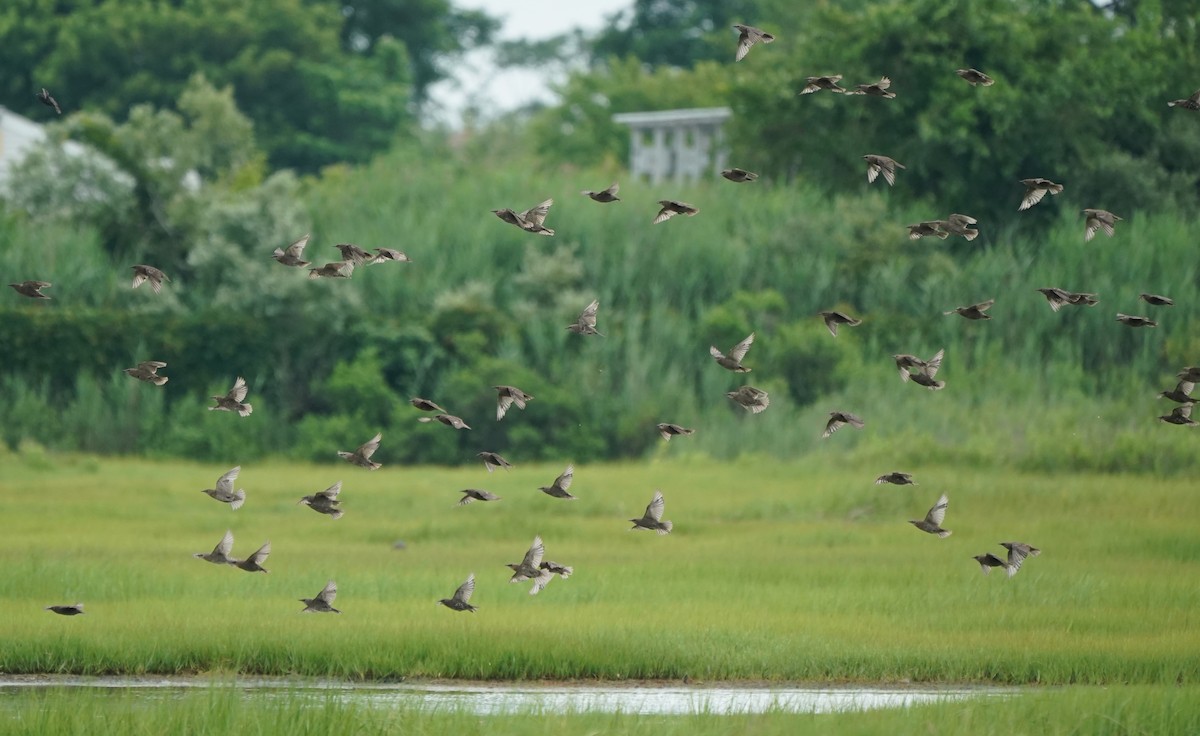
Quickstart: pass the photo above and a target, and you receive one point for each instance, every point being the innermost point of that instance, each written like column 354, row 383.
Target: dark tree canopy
column 674, row 32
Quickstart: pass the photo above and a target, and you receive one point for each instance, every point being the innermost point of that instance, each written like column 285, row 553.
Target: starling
column 528, row 568
column 48, row 100
column 928, row 227
column 143, row 273
column 586, row 324
column 352, row 253
column 877, row 165
column 335, row 270
column 459, row 601
column 604, row 195
column 1135, row 321
column 1098, row 220
column 563, row 571
column 925, row 376
column 652, row 519
column 747, row 37
column 32, row 289
column 253, row 563
column 383, row 255
column 753, row 400
column 974, row 77
column 507, row 396
column 1190, row 103
column 74, row 610
column 530, row 220
column 904, row 363
column 957, row 224
column 739, row 175
column 838, row 419
column 816, row 84
column 1035, row 189
column 224, row 491
column 1056, row 297
column 1181, row 415
column 670, row 208
column 1017, row 552
column 220, row 553
column 147, row 371
column 323, row 602
column 425, row 404
column 988, row 561
column 474, row 494
column 558, row 489
column 233, row 401
column 833, row 319
column 326, row 502
column 877, row 89
column 362, row 456
column 1181, row 394
column 932, row 522
column 733, row 359
column 896, row 478
column 447, row 419
column 1190, row 373
column 1157, row 300
column 1082, row 299
column 668, row 430
column 491, row 461
column 293, row 255
column 974, row 311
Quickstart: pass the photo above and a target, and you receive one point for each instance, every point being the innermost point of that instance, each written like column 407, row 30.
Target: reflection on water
column 498, row 698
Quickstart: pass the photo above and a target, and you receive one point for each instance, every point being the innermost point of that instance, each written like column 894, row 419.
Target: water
column 501, row 698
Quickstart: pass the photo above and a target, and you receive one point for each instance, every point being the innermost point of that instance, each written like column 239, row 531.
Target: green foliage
column 678, row 34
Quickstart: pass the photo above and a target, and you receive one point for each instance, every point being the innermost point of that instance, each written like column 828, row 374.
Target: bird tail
column 245, row 410
column 665, row 528
column 239, row 499
column 159, row 380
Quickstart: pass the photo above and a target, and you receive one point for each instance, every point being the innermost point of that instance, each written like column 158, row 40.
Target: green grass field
column 775, row 571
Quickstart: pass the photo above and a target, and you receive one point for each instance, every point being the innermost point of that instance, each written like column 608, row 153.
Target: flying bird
column 447, row 419
column 925, row 376
column 668, row 430
column 1157, row 300
column 147, row 371
column 747, row 37
column 670, row 208
column 234, row 399
column 1181, row 415
column 988, row 561
column 896, row 478
column 733, row 359
column 559, row 487
column 335, row 270
column 48, row 100
column 220, row 553
column 932, row 523
column 492, row 460
column 293, row 255
column 876, row 89
column 460, row 600
column 1188, row 103
column 936, row 228
column 877, row 165
column 586, row 324
column 383, row 255
column 816, row 84
column 833, row 319
column 143, row 273
column 323, row 602
column 32, row 289
column 529, row 568
column 425, row 404
column 753, row 400
column 839, row 419
column 352, row 253
column 1098, row 220
column 254, row 562
column 604, row 195
column 224, row 491
column 739, row 175
column 74, row 610
column 1181, row 394
column 957, row 224
column 326, row 502
column 905, row 363
column 1135, row 321
column 974, row 77
column 1017, row 554
column 362, row 456
column 506, row 397
column 475, row 494
column 530, row 220
column 552, row 567
column 974, row 311
column 1035, row 189
column 652, row 519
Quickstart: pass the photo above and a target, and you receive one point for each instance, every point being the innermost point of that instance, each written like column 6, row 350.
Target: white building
column 676, row 144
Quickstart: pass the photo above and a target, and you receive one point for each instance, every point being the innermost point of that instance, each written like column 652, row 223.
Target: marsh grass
column 775, row 571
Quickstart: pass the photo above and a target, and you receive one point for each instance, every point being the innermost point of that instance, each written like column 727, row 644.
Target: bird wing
column 612, row 189
column 1185, row 387
column 296, row 249
column 712, row 350
column 238, row 392
column 933, row 364
column 367, row 449
column 588, row 315
column 328, row 593
column 853, row 419
column 834, row 424
column 225, row 482
column 225, row 546
column 1033, row 195
column 564, row 481
column 938, row 513
column 151, row 365
column 503, row 402
column 737, row 352
column 654, row 510
column 536, row 215
column 260, row 556
column 984, row 306
column 533, row 557
column 831, row 323
column 664, row 214
column 463, row 594
column 1184, row 410
column 332, row 491
column 745, row 41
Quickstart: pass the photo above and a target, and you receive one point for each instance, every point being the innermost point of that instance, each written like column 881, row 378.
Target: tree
column 674, row 33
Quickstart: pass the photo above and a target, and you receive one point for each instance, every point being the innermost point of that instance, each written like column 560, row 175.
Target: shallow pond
column 499, row 698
